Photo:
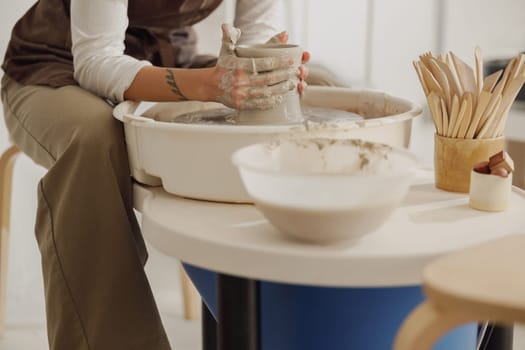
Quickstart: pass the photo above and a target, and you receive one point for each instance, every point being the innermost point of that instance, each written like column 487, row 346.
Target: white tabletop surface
column 236, row 239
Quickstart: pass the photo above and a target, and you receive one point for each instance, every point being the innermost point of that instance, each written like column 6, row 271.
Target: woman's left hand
column 234, row 83
column 282, row 38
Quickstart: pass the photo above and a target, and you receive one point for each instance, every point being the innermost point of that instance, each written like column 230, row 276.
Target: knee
column 99, row 137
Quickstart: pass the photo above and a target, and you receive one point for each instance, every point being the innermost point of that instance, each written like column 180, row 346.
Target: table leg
column 238, row 306
column 209, row 329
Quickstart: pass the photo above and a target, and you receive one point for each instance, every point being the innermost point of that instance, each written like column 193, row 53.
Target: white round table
column 429, row 223
column 236, row 240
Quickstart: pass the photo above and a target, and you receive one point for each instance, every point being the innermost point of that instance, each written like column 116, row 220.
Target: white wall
column 496, row 26
column 209, row 30
column 334, row 32
column 401, row 30
column 373, row 42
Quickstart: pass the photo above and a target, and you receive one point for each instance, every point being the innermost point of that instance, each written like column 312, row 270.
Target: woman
column 65, row 61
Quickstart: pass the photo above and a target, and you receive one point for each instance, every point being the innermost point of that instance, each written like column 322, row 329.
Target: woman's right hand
column 250, row 83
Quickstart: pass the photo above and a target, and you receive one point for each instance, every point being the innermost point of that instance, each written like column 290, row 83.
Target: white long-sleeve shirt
column 98, row 29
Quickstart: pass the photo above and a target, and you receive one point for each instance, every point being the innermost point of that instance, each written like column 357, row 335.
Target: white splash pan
column 194, row 161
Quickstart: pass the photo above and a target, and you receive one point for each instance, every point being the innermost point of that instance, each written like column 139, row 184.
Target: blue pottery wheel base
column 295, row 317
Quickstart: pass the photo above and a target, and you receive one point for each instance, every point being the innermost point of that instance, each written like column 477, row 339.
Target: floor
column 25, row 305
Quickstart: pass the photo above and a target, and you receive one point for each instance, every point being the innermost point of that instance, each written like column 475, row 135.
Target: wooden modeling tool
column 463, row 103
column 490, row 82
column 465, row 74
column 466, row 117
column 453, row 117
column 508, row 98
column 444, row 114
column 488, row 123
column 421, row 79
column 453, row 83
column 483, row 102
column 435, row 111
column 432, row 84
column 441, row 78
column 479, row 70
column 459, row 119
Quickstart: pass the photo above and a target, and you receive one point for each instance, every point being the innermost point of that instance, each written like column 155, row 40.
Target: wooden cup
column 455, row 158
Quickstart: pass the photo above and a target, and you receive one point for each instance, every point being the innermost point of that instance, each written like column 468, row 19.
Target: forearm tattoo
column 170, row 80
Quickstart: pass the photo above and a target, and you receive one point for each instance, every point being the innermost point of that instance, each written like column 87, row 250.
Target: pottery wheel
column 228, row 116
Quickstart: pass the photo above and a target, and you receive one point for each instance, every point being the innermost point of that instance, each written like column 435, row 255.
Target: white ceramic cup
column 289, row 110
column 490, row 192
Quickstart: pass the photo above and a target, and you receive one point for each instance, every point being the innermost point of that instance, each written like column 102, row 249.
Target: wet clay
column 289, row 109
column 315, row 116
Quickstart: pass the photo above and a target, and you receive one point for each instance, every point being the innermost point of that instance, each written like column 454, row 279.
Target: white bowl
column 325, row 190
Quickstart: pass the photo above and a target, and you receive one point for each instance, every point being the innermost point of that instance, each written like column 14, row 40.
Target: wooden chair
column 7, row 161
column 482, row 283
column 191, row 300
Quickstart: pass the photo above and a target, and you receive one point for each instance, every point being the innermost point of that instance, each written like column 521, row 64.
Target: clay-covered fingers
column 255, row 65
column 280, row 38
column 272, row 90
column 306, row 57
column 303, row 72
column 230, row 36
column 256, row 97
column 272, row 78
column 265, row 64
column 239, row 78
column 301, row 87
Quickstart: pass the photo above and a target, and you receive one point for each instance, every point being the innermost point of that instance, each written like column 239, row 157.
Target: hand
column 238, row 83
column 282, row 38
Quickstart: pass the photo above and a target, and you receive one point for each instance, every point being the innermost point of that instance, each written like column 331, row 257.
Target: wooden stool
column 191, row 300
column 482, row 283
column 7, row 161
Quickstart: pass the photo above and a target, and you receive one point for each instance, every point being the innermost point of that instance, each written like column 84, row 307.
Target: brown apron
column 39, row 52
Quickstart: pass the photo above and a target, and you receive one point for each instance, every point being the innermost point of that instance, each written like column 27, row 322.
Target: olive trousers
column 93, row 254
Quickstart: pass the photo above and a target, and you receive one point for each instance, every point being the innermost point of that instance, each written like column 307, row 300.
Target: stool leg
column 426, row 325
column 6, row 176
column 190, row 297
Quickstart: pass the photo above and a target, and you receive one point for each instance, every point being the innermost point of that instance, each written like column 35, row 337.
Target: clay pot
column 455, row 158
column 289, row 110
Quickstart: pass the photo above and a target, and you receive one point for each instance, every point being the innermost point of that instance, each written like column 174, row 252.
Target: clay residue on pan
column 366, row 157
